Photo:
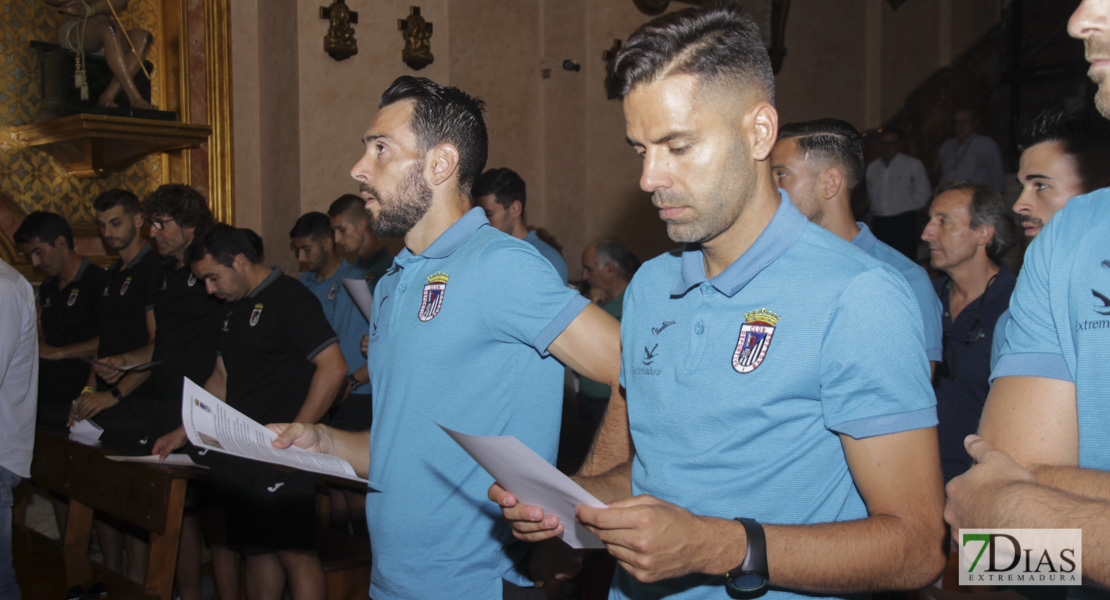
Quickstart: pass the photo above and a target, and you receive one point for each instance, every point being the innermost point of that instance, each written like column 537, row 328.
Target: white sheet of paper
column 362, row 295
column 532, row 480
column 181, row 460
column 213, row 424
column 87, row 432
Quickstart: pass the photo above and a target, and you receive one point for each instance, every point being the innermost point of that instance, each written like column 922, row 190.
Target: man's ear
column 138, row 220
column 239, row 263
column 516, row 208
column 986, row 234
column 763, row 130
column 832, row 180
column 444, row 163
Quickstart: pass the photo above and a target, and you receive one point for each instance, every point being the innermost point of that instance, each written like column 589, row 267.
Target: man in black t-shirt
column 278, row 360
column 125, row 324
column 68, row 307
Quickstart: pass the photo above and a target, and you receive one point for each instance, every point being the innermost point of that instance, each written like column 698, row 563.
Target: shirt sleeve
column 305, row 324
column 527, row 302
column 874, row 372
column 1033, row 346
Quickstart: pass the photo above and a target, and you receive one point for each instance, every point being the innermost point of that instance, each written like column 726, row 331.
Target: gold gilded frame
column 175, row 93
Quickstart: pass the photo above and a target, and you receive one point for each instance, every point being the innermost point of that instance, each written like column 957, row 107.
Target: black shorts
column 266, row 508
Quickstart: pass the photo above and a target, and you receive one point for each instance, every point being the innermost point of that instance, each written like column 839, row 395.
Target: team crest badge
column 434, row 291
column 192, row 280
column 755, row 339
column 331, row 292
column 256, row 314
column 123, row 288
column 72, row 297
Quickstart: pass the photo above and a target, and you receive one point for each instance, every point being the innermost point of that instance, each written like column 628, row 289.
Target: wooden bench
column 148, row 496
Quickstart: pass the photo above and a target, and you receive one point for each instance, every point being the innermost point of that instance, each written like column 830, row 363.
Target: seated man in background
column 502, row 194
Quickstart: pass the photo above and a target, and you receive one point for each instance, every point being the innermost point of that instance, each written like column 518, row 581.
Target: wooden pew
column 149, row 496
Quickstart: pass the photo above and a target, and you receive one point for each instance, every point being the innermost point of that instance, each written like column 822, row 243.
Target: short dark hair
column 45, row 226
column 1085, row 137
column 503, row 183
column 613, row 251
column 443, row 114
column 830, row 140
column 222, row 242
column 256, row 241
column 347, row 204
column 713, row 43
column 181, row 202
column 117, row 197
column 987, row 208
column 315, row 225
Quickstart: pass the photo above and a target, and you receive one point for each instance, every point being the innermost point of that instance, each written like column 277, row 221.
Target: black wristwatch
column 750, row 578
column 353, row 383
column 117, row 395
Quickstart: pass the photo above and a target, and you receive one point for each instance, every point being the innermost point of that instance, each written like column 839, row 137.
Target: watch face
column 747, row 582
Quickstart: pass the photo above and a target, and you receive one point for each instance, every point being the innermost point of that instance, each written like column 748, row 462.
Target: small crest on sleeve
column 755, row 340
column 432, row 299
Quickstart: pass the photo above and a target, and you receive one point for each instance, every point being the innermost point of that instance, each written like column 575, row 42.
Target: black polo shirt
column 124, row 301
column 69, row 315
column 962, row 380
column 267, row 341
column 188, row 321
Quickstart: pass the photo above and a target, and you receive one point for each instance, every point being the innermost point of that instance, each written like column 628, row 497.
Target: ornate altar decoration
column 418, row 40
column 58, row 162
column 340, row 42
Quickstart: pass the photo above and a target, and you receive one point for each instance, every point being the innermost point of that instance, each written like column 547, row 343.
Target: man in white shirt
column 19, row 375
column 897, row 187
column 971, row 156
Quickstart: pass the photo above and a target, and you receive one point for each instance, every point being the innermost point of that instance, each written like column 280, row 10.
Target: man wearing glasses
column 970, row 229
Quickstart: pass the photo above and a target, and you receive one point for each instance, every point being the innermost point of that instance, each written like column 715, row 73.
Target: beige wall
column 299, row 114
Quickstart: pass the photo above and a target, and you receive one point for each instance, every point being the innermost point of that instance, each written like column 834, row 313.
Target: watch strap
column 755, row 560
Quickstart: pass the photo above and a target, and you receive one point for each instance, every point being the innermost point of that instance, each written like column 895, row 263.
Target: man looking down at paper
column 460, row 297
column 279, row 360
column 754, row 389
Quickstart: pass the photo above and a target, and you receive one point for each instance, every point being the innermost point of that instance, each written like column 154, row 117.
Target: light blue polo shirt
column 1060, row 316
column 458, row 336
column 738, row 386
column 326, row 291
column 920, row 285
column 550, row 253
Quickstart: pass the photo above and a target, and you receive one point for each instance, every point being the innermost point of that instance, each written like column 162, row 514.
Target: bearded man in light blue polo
column 462, row 296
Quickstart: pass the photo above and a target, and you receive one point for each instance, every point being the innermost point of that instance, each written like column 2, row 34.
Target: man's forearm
column 351, row 446
column 612, row 446
column 322, row 392
column 609, row 486
column 1088, row 483
column 85, row 349
column 882, row 552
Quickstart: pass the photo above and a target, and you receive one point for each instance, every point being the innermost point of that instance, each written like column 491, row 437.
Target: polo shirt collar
column 784, row 229
column 138, row 257
column 864, row 240
column 81, row 270
column 272, row 277
column 455, row 236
